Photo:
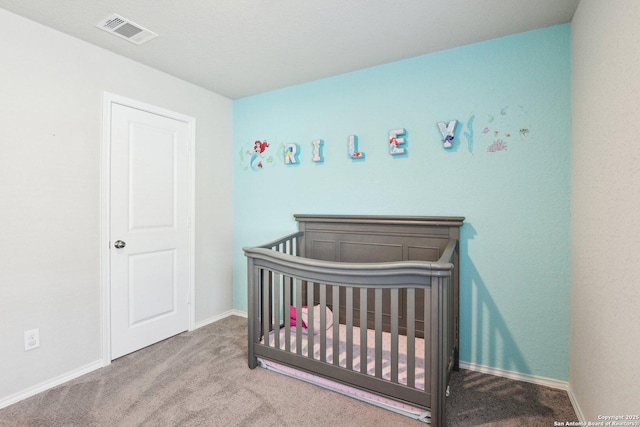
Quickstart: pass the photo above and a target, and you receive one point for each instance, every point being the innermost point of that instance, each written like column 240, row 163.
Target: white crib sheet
column 390, row 404
column 386, row 352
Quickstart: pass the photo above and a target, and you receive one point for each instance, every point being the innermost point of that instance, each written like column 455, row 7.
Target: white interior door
column 149, row 230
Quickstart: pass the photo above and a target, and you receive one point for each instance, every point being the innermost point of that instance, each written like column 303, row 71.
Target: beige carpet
column 201, row 378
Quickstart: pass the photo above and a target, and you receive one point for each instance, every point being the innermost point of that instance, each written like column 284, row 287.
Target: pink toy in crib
column 293, row 316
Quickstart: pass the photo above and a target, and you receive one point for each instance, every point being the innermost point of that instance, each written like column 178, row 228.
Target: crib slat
column 323, row 322
column 363, row 330
column 276, row 309
column 394, row 335
column 266, row 307
column 378, row 329
column 298, row 286
column 287, row 317
column 310, row 321
column 411, row 337
column 335, row 305
column 349, row 322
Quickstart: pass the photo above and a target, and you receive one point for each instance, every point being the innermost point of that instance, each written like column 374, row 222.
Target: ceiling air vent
column 122, row 27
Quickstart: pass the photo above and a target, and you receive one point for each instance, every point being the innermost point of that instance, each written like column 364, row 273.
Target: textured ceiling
column 239, row 48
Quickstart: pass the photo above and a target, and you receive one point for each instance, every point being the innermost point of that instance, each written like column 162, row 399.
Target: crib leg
column 253, row 280
column 253, row 362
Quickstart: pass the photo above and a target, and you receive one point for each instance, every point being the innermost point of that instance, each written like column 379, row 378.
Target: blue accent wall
column 508, row 173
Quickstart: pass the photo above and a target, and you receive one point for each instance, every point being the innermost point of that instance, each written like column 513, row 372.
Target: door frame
column 105, row 210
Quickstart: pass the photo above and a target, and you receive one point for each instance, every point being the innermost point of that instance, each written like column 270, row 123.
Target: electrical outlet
column 31, row 339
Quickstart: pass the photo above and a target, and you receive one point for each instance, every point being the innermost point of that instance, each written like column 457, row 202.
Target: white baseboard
column 221, row 316
column 44, row 386
column 240, row 313
column 533, row 379
column 576, row 406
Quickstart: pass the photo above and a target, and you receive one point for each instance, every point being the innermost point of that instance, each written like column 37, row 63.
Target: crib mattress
column 378, row 400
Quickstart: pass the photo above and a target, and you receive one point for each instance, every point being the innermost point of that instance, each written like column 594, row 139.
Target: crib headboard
column 369, row 238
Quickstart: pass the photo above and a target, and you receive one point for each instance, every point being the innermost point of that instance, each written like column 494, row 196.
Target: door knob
column 119, row 244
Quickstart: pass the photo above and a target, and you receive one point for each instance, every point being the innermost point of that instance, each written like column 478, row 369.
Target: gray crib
column 390, row 284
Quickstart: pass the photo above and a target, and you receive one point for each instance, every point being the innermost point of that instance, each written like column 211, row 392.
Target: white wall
column 604, row 373
column 51, row 88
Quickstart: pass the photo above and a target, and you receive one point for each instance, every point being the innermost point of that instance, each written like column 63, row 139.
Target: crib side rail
column 357, row 274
